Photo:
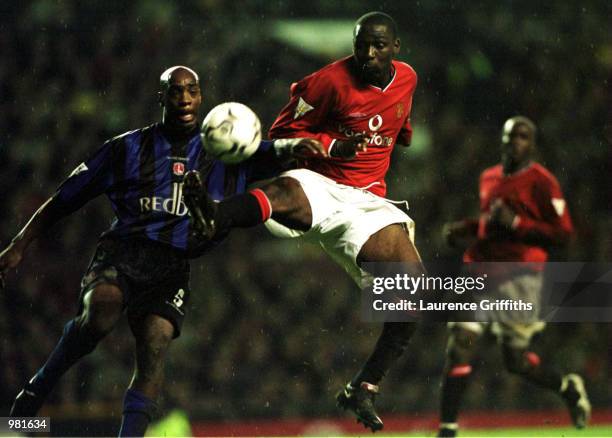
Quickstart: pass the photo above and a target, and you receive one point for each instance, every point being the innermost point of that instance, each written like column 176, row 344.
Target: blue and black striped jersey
column 142, row 173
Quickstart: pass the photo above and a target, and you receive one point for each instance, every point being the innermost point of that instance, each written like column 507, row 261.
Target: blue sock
column 138, row 410
column 73, row 345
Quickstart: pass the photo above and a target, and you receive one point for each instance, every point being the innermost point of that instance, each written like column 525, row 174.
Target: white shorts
column 517, row 333
column 343, row 219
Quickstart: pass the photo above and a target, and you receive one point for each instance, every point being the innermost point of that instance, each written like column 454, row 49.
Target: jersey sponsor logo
column 375, row 122
column 79, row 169
column 374, row 125
column 178, row 169
column 302, row 108
column 175, row 205
column 559, row 205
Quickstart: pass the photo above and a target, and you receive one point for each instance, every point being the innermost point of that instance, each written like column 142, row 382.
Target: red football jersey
column 534, row 194
column 333, row 103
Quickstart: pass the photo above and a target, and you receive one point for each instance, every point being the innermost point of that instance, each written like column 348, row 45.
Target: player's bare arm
column 300, row 148
column 12, row 255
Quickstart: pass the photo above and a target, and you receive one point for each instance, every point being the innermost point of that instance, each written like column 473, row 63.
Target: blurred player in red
column 522, row 214
column 359, row 108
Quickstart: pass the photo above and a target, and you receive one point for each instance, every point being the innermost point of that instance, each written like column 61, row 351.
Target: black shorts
column 153, row 277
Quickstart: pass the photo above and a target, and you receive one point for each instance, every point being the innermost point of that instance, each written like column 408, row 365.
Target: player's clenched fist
column 348, row 149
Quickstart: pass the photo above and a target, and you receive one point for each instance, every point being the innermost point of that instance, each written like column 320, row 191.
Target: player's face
column 517, row 144
column 181, row 100
column 374, row 47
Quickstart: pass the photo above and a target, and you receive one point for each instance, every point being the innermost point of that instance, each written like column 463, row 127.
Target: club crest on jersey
column 302, row 108
column 178, row 169
column 399, row 110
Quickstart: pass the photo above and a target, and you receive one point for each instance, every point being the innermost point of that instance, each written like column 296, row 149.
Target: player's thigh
column 103, row 289
column 389, row 244
column 102, row 297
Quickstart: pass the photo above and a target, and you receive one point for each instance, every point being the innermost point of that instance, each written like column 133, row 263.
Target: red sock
column 264, row 204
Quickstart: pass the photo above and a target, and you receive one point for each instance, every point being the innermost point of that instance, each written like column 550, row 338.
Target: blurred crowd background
column 273, row 327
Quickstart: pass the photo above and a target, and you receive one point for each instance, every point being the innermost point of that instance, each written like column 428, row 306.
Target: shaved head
column 164, row 79
column 518, row 143
column 518, row 120
column 373, row 18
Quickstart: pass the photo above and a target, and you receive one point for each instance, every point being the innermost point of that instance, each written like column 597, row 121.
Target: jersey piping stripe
column 160, row 150
column 181, row 227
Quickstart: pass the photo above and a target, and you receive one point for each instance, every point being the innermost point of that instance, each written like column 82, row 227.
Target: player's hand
column 300, row 148
column 349, row 149
column 501, row 214
column 9, row 259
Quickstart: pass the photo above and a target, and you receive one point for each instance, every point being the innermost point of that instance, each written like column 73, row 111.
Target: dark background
column 273, row 328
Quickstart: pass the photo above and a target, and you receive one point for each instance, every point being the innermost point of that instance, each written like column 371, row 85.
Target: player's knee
column 461, row 346
column 154, row 336
column 103, row 306
column 290, row 205
column 284, row 195
column 520, row 362
column 156, row 345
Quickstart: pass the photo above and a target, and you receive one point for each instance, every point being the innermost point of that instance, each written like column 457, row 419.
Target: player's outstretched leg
column 574, row 393
column 102, row 309
column 244, row 210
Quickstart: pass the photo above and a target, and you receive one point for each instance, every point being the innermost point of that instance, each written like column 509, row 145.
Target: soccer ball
column 231, row 132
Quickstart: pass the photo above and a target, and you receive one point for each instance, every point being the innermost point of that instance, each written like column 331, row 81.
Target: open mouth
column 186, row 117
